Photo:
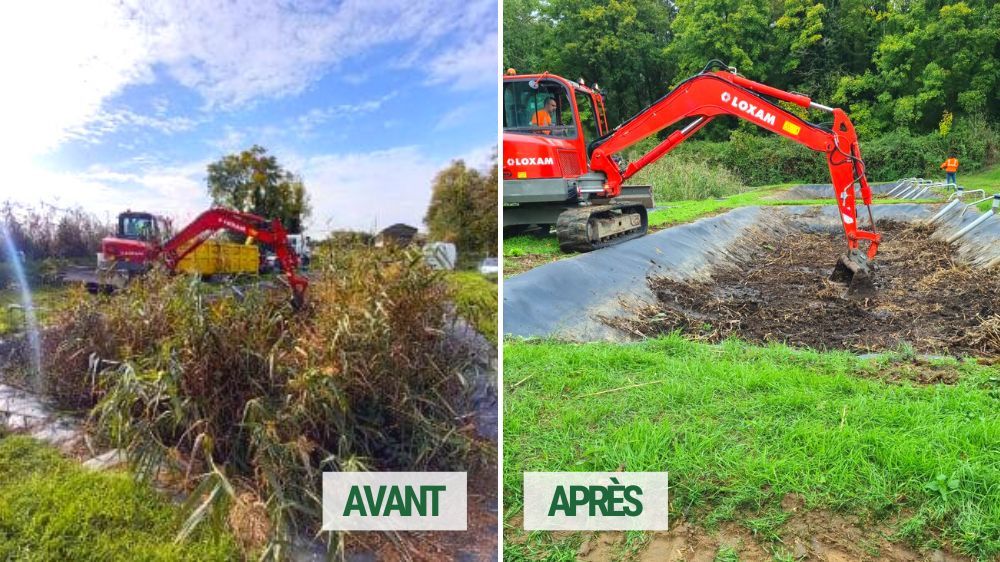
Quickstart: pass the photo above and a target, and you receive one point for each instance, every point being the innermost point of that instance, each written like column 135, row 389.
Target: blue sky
column 114, row 105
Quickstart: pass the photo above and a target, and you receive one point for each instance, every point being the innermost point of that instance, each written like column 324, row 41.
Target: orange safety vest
column 541, row 118
column 950, row 165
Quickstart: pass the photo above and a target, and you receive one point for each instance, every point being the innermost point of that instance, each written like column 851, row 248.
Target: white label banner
column 596, row 501
column 395, row 501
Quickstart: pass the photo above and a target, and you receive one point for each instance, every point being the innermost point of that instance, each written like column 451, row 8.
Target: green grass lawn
column 988, row 180
column 738, row 427
column 53, row 509
column 476, row 300
column 45, row 298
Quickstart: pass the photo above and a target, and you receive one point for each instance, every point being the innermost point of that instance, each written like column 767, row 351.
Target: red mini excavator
column 561, row 161
column 138, row 242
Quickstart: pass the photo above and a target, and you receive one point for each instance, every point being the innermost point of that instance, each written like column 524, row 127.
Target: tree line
column 463, row 208
column 894, row 65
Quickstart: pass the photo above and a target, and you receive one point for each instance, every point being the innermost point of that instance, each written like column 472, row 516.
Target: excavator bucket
column 853, row 271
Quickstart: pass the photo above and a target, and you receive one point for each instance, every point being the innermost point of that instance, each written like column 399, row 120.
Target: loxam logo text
column 748, row 108
column 530, row 161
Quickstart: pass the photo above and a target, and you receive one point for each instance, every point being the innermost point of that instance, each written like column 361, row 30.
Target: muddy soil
column 806, row 535
column 780, row 292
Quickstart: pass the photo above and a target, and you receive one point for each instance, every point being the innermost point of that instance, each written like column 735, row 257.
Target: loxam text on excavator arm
column 709, row 94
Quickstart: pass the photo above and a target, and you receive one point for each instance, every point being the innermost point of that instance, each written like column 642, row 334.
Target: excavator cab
column 538, row 107
column 144, row 227
column 549, row 123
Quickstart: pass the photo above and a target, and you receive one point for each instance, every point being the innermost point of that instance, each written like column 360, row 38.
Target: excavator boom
column 271, row 233
column 137, row 254
column 706, row 95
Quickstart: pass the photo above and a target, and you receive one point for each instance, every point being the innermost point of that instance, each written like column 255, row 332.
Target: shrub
column 256, row 401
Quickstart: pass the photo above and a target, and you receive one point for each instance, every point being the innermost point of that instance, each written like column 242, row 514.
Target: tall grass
column 682, row 176
column 251, row 402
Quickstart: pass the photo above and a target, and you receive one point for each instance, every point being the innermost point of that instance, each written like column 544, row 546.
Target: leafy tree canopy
column 463, row 208
column 253, row 181
column 892, row 65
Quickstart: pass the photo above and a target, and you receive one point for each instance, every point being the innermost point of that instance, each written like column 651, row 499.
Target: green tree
column 253, row 181
column 526, row 35
column 620, row 44
column 463, row 208
column 737, row 32
column 894, row 66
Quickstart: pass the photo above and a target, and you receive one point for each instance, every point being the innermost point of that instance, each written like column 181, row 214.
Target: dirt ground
column 780, row 292
column 478, row 544
column 806, row 535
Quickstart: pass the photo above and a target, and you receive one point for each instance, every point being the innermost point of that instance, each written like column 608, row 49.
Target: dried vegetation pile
column 780, row 292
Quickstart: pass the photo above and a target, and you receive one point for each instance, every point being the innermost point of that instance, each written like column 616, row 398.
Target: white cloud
column 471, row 66
column 234, row 52
column 61, row 61
column 481, row 158
column 305, row 124
column 106, row 122
column 454, row 117
column 370, row 191
column 176, row 191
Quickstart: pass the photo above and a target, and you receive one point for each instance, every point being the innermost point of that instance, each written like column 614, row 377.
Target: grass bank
column 739, row 427
column 52, row 509
column 46, row 299
column 475, row 298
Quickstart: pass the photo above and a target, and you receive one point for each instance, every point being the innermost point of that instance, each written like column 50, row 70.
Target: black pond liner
column 824, row 191
column 566, row 299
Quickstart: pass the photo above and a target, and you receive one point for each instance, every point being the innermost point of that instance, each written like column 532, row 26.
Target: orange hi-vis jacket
column 541, row 118
column 950, row 165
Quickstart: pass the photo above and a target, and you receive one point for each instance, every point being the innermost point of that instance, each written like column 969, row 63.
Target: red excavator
column 138, row 243
column 561, row 162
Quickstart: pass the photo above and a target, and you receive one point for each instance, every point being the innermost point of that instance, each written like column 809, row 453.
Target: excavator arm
column 706, row 95
column 271, row 233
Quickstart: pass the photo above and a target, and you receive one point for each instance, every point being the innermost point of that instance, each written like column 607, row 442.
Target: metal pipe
column 976, row 204
column 943, row 211
column 903, row 183
column 979, row 221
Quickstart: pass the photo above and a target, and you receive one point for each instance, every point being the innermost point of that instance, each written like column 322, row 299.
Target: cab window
column 136, row 227
column 588, row 116
column 538, row 107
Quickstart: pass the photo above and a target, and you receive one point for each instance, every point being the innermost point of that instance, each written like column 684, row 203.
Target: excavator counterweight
column 562, row 164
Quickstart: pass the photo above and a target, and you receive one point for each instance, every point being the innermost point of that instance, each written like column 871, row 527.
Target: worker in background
column 950, row 167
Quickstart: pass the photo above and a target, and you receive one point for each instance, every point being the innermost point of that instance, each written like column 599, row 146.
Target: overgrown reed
column 246, row 398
